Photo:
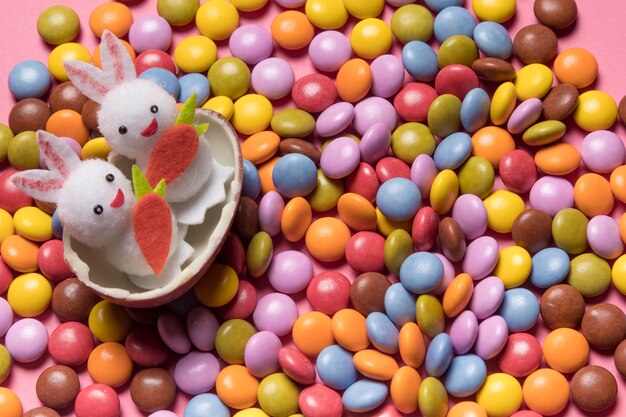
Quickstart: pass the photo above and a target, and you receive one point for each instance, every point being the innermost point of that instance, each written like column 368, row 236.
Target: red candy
column 233, row 254
column 320, row 401
column 296, row 365
column 70, row 344
column 521, row 355
column 242, row 305
column 329, row 292
column 51, row 261
column 12, row 199
column 365, row 252
column 6, row 276
column 390, row 167
column 154, row 58
column 97, row 400
column 363, row 181
column 314, row 93
column 425, row 228
column 413, row 101
column 518, row 171
column 146, row 348
column 456, row 79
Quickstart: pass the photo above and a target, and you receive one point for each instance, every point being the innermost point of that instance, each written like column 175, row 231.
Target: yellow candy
column 371, row 38
column 251, row 412
column 503, row 207
column 500, row 395
column 503, row 103
column 386, row 226
column 220, row 104
column 6, row 225
column 364, row 9
column 248, row 5
column 326, row 14
column 596, row 110
column 33, row 223
column 29, row 294
column 444, row 191
column 217, row 19
column 494, row 10
column 64, row 52
column 619, row 274
column 95, row 148
column 109, row 322
column 513, row 267
column 195, row 54
column 252, row 113
column 218, row 286
column 533, row 81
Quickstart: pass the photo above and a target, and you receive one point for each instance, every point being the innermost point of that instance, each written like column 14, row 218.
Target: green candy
column 23, row 152
column 278, row 395
column 410, row 140
column 293, row 123
column 457, row 49
column 259, row 254
column 544, row 132
column 5, row 363
column 231, row 339
column 178, row 12
column 412, row 22
column 58, row 24
column 444, row 115
column 589, row 274
column 326, row 193
column 429, row 314
column 432, row 398
column 477, row 177
column 5, row 138
column 569, row 230
column 398, row 247
column 229, row 77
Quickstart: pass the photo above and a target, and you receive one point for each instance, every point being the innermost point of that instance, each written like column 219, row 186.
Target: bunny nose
column 151, row 129
column 119, row 199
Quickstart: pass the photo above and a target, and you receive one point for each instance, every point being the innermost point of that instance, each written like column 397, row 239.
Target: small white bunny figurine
column 95, row 203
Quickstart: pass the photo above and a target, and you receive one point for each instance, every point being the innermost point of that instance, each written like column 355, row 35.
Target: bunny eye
column 154, row 109
column 110, row 177
column 98, row 209
column 122, row 130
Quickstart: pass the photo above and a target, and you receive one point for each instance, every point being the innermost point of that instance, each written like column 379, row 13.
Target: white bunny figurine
column 134, row 115
column 95, row 203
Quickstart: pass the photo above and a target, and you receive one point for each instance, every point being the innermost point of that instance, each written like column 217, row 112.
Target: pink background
column 600, row 29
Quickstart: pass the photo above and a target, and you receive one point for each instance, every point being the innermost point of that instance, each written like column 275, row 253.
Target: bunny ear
column 39, row 184
column 115, row 59
column 57, row 154
column 89, row 79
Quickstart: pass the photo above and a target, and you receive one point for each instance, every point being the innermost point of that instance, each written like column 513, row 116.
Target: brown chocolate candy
column 246, row 223
column 604, row 326
column 493, row 69
column 562, row 306
column 451, row 239
column 593, row 388
column 29, row 114
column 66, row 96
column 621, row 110
column 532, row 230
column 535, row 44
column 72, row 300
column 561, row 101
column 367, row 292
column 620, row 358
column 57, row 387
column 153, row 389
column 293, row 145
column 41, row 412
column 557, row 14
column 89, row 114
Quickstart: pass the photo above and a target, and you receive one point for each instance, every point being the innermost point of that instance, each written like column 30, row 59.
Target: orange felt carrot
column 153, row 229
column 172, row 154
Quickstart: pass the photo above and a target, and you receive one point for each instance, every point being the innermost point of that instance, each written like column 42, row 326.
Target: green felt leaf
column 140, row 183
column 188, row 112
column 201, row 128
column 160, row 188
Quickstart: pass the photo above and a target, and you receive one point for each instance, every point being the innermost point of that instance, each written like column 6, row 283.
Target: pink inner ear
column 59, row 165
column 116, row 50
column 78, row 75
column 38, row 185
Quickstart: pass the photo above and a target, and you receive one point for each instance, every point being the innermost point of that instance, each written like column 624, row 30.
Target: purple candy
column 463, row 332
column 270, row 212
column 261, row 353
column 335, row 119
column 524, row 115
column 423, row 173
column 173, row 333
column 275, row 313
column 196, row 372
column 251, row 43
column 551, row 194
column 375, row 143
column 150, row 32
column 374, row 110
column 604, row 238
column 26, row 340
column 492, row 336
column 163, row 413
column 291, row 4
column 602, row 151
column 387, row 75
column 448, row 274
column 340, row 157
column 487, row 297
column 6, row 316
column 329, row 50
column 202, row 328
column 470, row 213
column 481, row 257
column 290, row 271
column 273, row 78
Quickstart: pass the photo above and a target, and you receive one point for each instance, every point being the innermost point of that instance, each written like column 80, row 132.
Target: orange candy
column 110, row 364
column 622, row 227
column 95, row 56
column 326, row 239
column 566, row 350
column 68, row 123
column 114, row 16
column 404, row 389
column 19, row 253
column 260, row 147
column 237, row 387
column 349, row 329
column 296, row 219
column 592, row 195
column 354, row 80
column 576, row 66
column 458, row 295
column 265, row 175
column 411, row 345
column 292, row 30
column 312, row 332
column 618, row 183
column 467, row 409
column 546, row 391
column 558, row 159
column 492, row 143
column 357, row 212
column 10, row 403
column 375, row 365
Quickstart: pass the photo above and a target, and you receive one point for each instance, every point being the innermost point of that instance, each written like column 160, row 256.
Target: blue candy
column 398, row 199
column 57, row 227
column 382, row 332
column 520, row 309
column 164, row 79
column 439, row 5
column 29, row 79
column 206, row 405
column 399, row 304
column 335, row 367
column 439, row 355
column 194, row 83
column 420, row 60
column 251, row 180
column 493, row 40
column 294, row 175
column 453, row 151
column 465, row 376
column 421, row 272
column 550, row 267
column 364, row 395
column 452, row 21
column 475, row 109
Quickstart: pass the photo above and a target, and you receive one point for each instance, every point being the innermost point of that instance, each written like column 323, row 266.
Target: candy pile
column 389, row 196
